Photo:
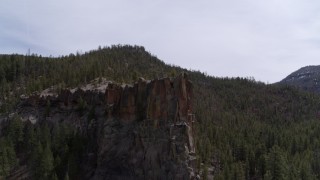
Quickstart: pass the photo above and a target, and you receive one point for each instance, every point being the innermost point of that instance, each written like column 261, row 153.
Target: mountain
column 58, row 120
column 306, row 78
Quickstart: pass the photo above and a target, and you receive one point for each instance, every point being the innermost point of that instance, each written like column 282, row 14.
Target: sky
column 263, row 39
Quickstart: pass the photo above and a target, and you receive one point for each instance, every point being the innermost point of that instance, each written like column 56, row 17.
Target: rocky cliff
column 139, row 131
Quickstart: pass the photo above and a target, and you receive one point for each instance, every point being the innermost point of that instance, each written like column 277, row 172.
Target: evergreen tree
column 7, row 157
column 238, row 173
column 277, row 164
column 4, row 162
column 268, row 176
column 15, row 130
column 46, row 163
column 205, row 172
column 36, row 158
column 11, row 154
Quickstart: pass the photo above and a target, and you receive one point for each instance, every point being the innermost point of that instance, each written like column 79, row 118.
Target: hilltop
column 306, row 78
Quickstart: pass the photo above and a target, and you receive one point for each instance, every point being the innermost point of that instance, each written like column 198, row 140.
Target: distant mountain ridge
column 306, row 78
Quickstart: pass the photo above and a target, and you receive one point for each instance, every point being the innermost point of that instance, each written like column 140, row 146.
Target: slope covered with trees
column 245, row 129
column 306, row 78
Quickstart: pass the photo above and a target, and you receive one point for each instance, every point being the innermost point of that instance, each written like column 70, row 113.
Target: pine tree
column 15, row 130
column 268, row 176
column 4, row 162
column 305, row 171
column 12, row 158
column 36, row 157
column 239, row 173
column 8, row 157
column 46, row 163
column 205, row 173
column 277, row 164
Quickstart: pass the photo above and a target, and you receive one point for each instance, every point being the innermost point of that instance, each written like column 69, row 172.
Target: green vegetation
column 46, row 150
column 245, row 129
column 255, row 130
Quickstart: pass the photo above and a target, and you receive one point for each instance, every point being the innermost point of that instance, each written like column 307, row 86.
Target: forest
column 244, row 129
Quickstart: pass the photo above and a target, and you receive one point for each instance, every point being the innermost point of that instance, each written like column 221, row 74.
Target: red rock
column 161, row 100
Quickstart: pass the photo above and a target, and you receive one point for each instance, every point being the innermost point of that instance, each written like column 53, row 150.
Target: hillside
column 243, row 129
column 306, row 78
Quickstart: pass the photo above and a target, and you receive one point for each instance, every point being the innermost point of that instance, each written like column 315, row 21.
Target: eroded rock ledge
column 139, row 131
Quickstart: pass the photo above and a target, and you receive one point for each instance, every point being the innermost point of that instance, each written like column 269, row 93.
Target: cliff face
column 140, row 131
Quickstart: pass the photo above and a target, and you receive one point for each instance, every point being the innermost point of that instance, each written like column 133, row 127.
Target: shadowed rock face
column 159, row 100
column 142, row 131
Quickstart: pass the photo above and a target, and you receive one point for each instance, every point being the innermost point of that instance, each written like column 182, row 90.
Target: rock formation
column 139, row 131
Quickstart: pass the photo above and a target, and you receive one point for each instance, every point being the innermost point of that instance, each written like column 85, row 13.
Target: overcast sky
column 264, row 39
